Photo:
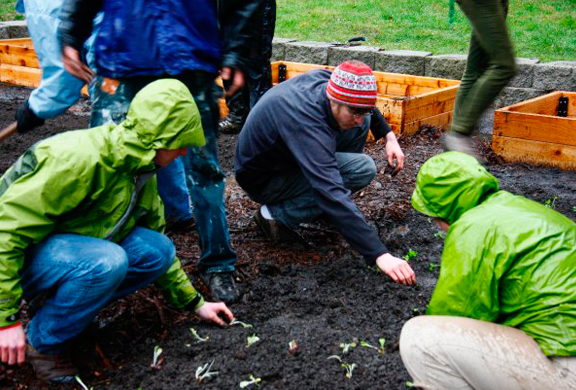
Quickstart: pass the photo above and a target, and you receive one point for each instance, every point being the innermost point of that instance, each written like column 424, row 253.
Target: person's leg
column 174, row 192
column 490, row 65
column 81, row 273
column 444, row 352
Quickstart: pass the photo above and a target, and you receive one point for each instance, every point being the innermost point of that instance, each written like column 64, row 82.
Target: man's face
column 164, row 157
column 348, row 117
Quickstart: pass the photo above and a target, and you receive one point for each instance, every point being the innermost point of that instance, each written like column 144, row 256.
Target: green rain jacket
column 506, row 259
column 82, row 181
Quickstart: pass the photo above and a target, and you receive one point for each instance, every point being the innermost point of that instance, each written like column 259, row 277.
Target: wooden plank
column 20, row 75
column 543, row 105
column 535, row 127
column 27, row 42
column 18, row 55
column 441, row 121
column 392, row 109
column 440, row 95
column 535, row 152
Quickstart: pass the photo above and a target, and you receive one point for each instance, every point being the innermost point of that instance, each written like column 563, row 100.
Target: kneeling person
column 503, row 311
column 81, row 225
column 300, row 155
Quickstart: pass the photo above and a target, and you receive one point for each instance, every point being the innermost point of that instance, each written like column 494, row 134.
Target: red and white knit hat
column 353, row 85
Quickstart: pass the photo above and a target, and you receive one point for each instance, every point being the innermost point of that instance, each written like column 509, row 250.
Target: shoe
column 222, row 286
column 181, row 226
column 273, row 229
column 51, row 367
column 457, row 142
column 230, row 125
column 26, row 118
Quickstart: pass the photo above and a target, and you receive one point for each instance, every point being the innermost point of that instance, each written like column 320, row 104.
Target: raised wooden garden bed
column 538, row 131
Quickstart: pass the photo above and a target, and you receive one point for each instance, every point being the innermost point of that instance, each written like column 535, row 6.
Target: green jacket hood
column 450, row 184
column 163, row 115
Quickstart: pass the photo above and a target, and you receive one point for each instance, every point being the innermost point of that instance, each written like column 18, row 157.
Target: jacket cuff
column 10, row 321
column 195, row 303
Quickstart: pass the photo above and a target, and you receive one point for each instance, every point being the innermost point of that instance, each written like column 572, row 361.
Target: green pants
column 490, row 64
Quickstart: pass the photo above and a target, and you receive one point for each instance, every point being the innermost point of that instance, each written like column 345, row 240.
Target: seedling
column 432, row 266
column 574, row 209
column 409, row 385
column 346, row 347
column 251, row 340
column 203, row 372
column 197, row 336
column 253, row 381
column 440, row 234
column 349, row 368
column 243, row 324
column 551, row 203
column 366, row 345
column 82, row 383
column 293, row 348
column 381, row 341
column 156, row 360
column 415, row 310
column 410, row 255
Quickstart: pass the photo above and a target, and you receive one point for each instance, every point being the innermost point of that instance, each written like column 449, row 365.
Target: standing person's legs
column 82, row 274
column 457, row 353
column 110, row 104
column 490, row 64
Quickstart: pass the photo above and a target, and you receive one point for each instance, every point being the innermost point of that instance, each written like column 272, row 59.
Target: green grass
column 539, row 29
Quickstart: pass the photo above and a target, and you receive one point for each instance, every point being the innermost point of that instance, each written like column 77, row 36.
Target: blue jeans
column 82, row 274
column 204, row 177
column 291, row 199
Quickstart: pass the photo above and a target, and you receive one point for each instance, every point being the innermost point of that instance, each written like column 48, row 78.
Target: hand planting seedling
column 346, row 347
column 253, row 381
column 244, row 324
column 156, row 360
column 293, row 348
column 197, row 336
column 82, row 383
column 410, row 255
column 251, row 340
column 203, row 372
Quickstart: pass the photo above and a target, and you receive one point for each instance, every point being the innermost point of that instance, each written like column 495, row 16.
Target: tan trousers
column 457, row 353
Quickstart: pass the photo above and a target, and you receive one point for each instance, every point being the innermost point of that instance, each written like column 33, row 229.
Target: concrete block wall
column 13, row 29
column 533, row 79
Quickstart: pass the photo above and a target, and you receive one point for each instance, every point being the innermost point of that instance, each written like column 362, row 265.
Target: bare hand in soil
column 237, row 77
column 393, row 151
column 398, row 269
column 209, row 311
column 13, row 345
column 75, row 66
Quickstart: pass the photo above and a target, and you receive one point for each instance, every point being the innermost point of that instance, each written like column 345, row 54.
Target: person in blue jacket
column 141, row 41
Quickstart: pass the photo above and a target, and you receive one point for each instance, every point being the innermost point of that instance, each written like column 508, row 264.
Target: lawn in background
column 544, row 29
column 539, row 29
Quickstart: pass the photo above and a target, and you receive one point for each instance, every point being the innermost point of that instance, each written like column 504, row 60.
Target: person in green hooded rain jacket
column 503, row 314
column 81, row 225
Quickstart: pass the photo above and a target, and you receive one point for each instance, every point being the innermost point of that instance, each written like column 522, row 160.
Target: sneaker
column 230, row 125
column 456, row 142
column 51, row 367
column 222, row 286
column 273, row 229
column 26, row 118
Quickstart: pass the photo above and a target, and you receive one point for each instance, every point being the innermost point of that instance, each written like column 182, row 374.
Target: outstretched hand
column 399, row 270
column 13, row 345
column 75, row 66
column 234, row 75
column 393, row 151
column 209, row 312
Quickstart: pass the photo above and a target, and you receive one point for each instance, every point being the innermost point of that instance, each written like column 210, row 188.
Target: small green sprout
column 347, row 367
column 244, row 324
column 346, row 347
column 381, row 341
column 366, row 345
column 77, row 377
column 574, row 209
column 203, row 372
column 197, row 336
column 156, row 360
column 440, row 234
column 551, row 203
column 409, row 384
column 432, row 266
column 251, row 340
column 253, row 381
column 410, row 255
column 415, row 310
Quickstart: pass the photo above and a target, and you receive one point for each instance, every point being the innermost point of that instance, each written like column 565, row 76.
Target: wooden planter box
column 18, row 63
column 407, row 102
column 532, row 132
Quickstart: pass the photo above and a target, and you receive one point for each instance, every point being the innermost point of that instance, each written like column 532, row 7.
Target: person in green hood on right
column 503, row 314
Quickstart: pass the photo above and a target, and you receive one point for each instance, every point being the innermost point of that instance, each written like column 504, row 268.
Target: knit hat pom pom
column 353, row 84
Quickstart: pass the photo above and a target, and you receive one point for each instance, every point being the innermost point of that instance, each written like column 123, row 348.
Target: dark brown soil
column 317, row 293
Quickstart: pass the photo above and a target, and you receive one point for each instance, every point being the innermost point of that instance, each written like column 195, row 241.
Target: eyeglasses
column 358, row 112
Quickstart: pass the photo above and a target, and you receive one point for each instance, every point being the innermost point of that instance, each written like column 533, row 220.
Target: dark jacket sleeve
column 378, row 125
column 76, row 21
column 236, row 30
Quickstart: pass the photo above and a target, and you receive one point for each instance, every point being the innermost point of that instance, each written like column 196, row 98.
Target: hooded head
column 163, row 115
column 450, row 184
